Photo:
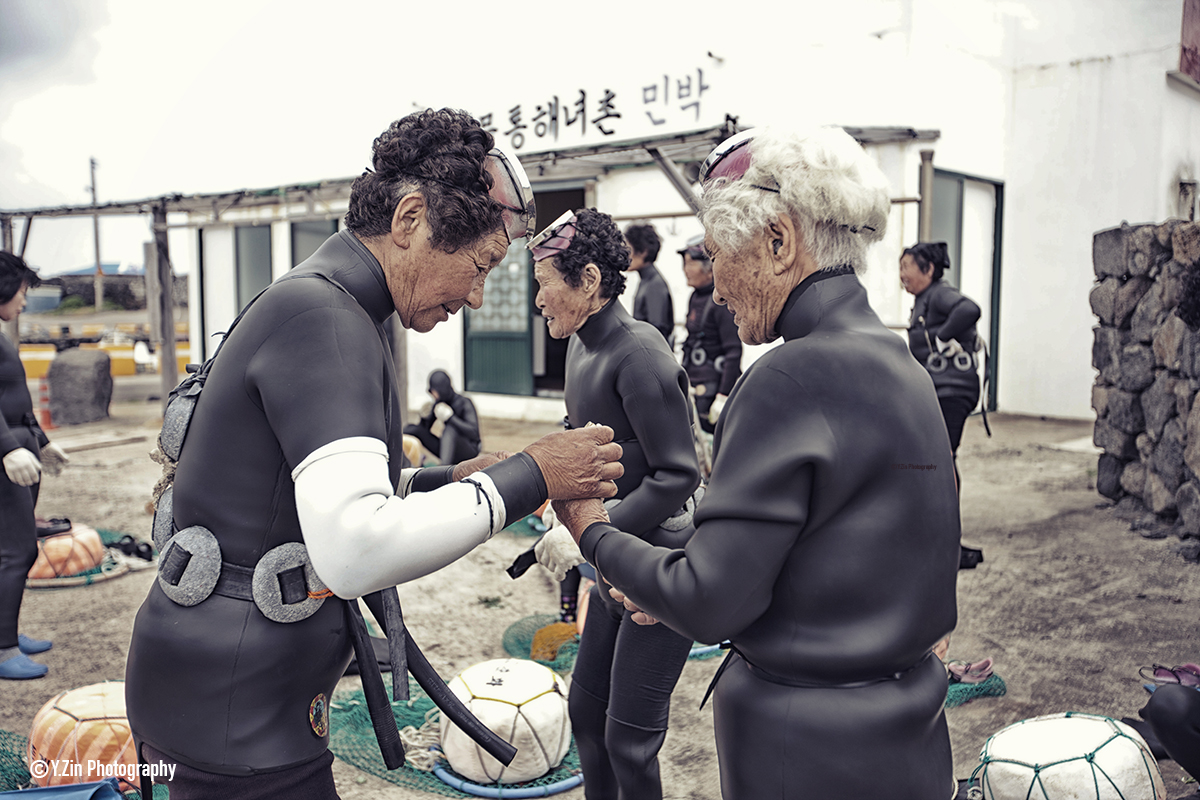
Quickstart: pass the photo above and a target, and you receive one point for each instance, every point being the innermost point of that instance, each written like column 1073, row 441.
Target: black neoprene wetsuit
column 712, row 351
column 826, row 550
column 217, row 685
column 18, row 528
column 620, row 373
column 652, row 302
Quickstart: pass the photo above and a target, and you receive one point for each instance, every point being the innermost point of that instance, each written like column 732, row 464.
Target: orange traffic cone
column 43, row 405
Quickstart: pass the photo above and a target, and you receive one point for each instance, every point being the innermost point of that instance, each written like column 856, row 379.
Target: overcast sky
column 229, row 94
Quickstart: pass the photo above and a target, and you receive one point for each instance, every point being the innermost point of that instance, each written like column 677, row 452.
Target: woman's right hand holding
column 579, row 463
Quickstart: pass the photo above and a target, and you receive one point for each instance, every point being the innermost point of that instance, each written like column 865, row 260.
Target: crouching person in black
column 460, row 438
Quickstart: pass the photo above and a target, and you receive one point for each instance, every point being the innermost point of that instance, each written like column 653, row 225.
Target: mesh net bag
column 352, row 739
column 959, row 693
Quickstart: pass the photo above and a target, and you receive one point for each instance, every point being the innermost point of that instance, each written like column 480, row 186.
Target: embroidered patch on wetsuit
column 318, row 715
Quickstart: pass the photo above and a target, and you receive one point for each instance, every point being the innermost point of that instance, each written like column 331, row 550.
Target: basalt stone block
column 1187, row 500
column 1135, row 368
column 1143, row 249
column 1168, row 343
column 1172, row 281
column 1167, row 460
column 1127, row 299
column 1103, row 298
column 1115, row 442
column 1106, row 348
column 1110, row 252
column 1163, row 232
column 1125, row 411
column 1148, row 314
column 1191, row 454
column 1158, row 404
column 1184, row 395
column 1189, row 351
column 1108, row 476
column 1133, row 477
column 80, row 386
column 1144, row 446
column 1185, row 243
column 1100, row 395
column 1159, row 497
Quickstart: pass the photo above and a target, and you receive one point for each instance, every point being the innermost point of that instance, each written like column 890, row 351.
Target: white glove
column 714, row 411
column 443, row 412
column 549, row 518
column 54, row 458
column 557, row 552
column 950, row 348
column 22, row 467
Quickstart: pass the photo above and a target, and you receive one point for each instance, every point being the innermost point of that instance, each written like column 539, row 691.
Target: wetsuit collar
column 800, row 316
column 361, row 275
column 598, row 326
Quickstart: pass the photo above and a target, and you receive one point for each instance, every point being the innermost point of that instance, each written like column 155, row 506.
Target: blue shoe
column 31, row 646
column 19, row 668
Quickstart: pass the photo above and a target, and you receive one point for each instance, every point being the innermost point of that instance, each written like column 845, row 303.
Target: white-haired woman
column 826, row 548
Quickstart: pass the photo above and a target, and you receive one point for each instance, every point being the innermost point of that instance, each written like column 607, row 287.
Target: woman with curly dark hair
column 288, row 500
column 619, row 373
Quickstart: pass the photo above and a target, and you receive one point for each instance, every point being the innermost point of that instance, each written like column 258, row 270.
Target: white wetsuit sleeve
column 362, row 537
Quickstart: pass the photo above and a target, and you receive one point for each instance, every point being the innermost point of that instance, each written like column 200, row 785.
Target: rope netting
column 959, row 693
column 352, row 739
column 1104, row 785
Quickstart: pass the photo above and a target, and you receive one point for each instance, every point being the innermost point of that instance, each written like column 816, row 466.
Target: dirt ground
column 1069, row 601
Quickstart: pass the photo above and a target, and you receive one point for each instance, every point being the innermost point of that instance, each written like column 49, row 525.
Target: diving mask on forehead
column 731, row 160
column 511, row 189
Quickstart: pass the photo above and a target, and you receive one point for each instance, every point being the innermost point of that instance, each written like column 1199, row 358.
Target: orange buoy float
column 82, row 735
column 65, row 554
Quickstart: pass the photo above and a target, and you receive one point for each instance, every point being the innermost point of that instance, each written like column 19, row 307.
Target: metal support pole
column 98, row 281
column 167, row 368
column 11, row 329
column 25, row 235
column 925, row 210
column 677, row 179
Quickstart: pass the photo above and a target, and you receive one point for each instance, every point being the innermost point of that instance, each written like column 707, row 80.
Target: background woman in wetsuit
column 619, row 373
column 25, row 450
column 941, row 333
column 460, row 438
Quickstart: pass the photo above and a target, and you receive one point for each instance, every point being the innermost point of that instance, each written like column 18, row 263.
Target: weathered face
column 746, row 282
column 10, row 310
column 911, row 278
column 441, row 283
column 565, row 307
column 696, row 272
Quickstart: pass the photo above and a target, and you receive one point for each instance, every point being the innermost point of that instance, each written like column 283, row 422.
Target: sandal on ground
column 965, row 672
column 21, row 668
column 50, row 527
column 1185, row 674
column 32, row 646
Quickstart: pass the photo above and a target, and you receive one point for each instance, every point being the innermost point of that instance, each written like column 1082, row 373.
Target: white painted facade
column 1066, row 103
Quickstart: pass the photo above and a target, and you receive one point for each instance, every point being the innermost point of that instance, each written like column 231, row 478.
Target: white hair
column 827, row 183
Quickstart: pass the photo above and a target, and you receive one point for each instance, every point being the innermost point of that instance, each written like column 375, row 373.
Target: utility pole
column 98, row 281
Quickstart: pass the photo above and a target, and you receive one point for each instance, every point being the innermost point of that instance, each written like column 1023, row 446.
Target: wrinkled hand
column 578, row 463
column 443, row 412
column 950, row 348
column 714, row 411
column 557, row 552
column 638, row 616
column 576, row 515
column 471, row 466
column 54, row 458
column 22, row 467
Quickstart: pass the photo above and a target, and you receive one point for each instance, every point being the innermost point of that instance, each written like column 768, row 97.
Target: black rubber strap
column 521, row 564
column 397, row 639
column 380, row 708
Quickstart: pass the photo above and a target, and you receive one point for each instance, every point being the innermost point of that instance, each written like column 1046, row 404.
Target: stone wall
column 1147, row 354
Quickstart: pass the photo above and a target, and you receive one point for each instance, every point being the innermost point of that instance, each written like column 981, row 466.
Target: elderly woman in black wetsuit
column 25, row 451
column 941, row 333
column 619, row 373
column 826, row 546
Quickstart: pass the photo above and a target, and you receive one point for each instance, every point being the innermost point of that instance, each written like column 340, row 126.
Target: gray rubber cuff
column 520, row 482
column 432, row 478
